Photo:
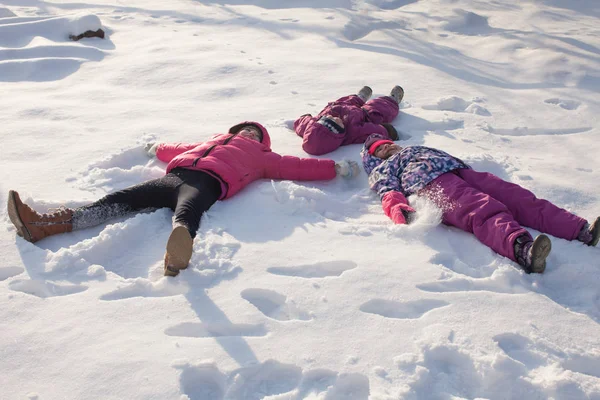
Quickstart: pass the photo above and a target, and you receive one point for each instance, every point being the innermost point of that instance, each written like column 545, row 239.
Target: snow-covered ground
column 295, row 290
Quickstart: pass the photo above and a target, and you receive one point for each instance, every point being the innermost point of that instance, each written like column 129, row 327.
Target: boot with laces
column 33, row 226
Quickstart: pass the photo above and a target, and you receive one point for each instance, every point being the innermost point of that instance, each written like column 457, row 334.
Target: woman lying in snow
column 349, row 120
column 197, row 176
column 477, row 202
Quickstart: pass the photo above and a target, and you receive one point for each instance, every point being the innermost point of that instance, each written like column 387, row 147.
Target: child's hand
column 347, row 169
column 409, row 216
column 150, row 149
column 403, row 214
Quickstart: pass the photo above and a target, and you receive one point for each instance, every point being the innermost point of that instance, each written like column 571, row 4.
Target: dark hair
column 392, row 132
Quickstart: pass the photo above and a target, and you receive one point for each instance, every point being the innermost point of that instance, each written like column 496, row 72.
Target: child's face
column 250, row 132
column 387, row 150
column 337, row 120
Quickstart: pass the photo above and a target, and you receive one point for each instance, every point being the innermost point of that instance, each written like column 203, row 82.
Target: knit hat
column 331, row 124
column 375, row 141
column 378, row 143
column 392, row 132
column 372, row 139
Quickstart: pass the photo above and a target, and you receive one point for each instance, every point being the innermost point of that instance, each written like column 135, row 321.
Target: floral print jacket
column 408, row 171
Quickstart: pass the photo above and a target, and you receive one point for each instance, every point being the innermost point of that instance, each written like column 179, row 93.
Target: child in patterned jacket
column 349, row 120
column 477, row 202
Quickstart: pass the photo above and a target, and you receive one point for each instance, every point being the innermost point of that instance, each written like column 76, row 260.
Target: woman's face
column 387, row 150
column 250, row 132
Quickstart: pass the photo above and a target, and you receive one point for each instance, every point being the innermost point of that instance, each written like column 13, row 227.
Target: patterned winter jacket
column 405, row 173
column 237, row 161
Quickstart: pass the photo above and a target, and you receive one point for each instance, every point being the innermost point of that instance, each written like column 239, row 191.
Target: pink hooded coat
column 237, row 161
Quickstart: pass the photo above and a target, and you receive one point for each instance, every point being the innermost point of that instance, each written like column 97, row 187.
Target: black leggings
column 189, row 193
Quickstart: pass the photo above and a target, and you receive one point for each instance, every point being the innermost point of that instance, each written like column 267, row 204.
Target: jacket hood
column 371, row 162
column 266, row 140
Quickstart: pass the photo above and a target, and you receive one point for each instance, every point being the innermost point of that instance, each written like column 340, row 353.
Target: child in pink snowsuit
column 198, row 174
column 477, row 202
column 349, row 120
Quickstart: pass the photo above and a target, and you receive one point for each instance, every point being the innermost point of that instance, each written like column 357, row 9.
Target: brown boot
column 179, row 250
column 33, row 226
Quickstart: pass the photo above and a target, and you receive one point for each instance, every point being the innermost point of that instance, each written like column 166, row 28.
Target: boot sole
column 369, row 94
column 401, row 92
column 539, row 251
column 15, row 218
column 180, row 247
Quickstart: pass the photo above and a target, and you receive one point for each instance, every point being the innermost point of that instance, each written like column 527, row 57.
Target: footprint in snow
column 534, row 355
column 144, row 288
column 462, row 265
column 401, row 310
column 504, row 281
column 318, row 270
column 44, row 289
column 270, row 379
column 274, row 305
column 562, row 103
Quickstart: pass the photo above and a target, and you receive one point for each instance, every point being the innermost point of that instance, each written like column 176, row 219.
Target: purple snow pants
column 494, row 210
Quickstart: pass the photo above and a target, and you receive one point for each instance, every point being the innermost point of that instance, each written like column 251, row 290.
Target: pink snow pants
column 494, row 210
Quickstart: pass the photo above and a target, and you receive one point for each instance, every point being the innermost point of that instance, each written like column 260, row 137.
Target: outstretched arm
column 167, row 151
column 300, row 169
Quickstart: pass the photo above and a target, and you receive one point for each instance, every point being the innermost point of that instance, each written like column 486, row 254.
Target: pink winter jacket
column 237, row 161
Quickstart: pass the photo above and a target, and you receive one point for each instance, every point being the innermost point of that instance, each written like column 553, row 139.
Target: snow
column 296, row 290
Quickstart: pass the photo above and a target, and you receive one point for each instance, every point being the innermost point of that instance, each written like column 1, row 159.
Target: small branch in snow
column 88, row 34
